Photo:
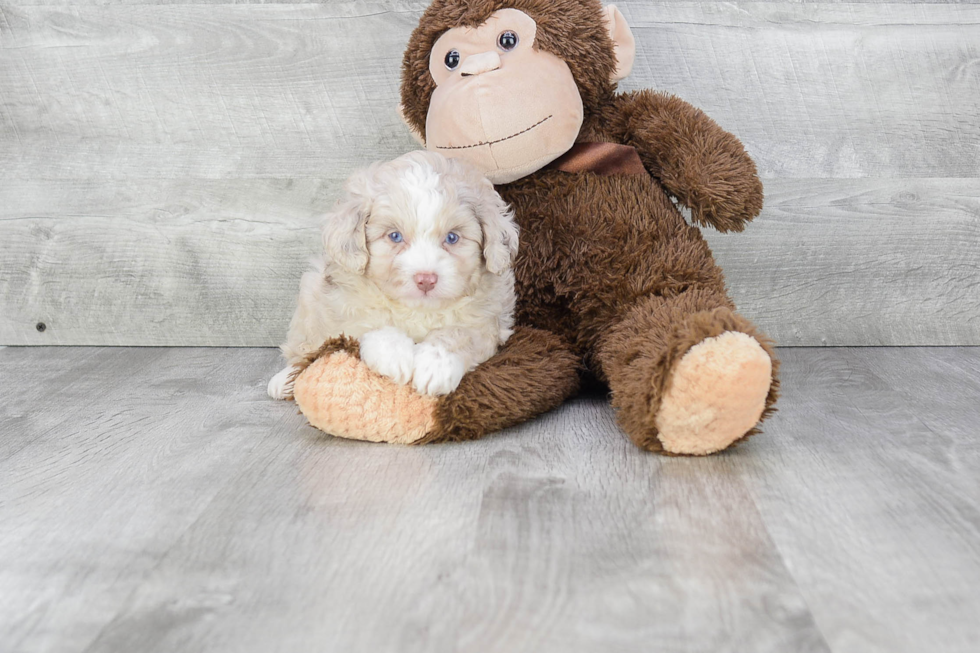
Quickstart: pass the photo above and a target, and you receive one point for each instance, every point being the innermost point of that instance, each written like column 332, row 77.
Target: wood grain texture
column 860, row 262
column 217, row 262
column 267, row 90
column 212, row 91
column 156, row 500
column 184, row 263
column 162, row 164
column 105, row 476
column 870, row 493
column 824, row 90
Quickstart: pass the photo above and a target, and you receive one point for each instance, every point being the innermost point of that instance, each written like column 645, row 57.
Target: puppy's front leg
column 389, row 352
column 437, row 370
column 280, row 385
column 446, row 355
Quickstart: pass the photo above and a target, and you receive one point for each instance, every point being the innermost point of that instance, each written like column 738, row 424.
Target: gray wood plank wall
column 163, row 165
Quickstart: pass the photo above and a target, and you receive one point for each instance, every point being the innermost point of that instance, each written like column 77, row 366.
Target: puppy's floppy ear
column 344, row 239
column 500, row 236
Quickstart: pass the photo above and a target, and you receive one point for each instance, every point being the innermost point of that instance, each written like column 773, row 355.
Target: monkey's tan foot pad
column 715, row 395
column 339, row 395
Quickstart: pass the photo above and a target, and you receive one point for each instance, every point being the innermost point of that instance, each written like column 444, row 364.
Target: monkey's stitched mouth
column 499, row 140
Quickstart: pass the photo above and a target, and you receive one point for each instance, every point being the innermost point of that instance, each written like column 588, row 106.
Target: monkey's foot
column 532, row 373
column 340, row 395
column 715, row 395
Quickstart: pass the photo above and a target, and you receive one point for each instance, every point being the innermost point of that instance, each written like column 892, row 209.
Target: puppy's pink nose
column 426, row 281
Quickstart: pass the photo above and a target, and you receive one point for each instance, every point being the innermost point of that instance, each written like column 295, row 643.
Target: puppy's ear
column 500, row 236
column 344, row 239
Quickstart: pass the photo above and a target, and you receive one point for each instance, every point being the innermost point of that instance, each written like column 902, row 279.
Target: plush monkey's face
column 503, row 101
column 499, row 102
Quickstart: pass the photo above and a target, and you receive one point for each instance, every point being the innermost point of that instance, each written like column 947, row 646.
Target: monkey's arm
column 698, row 162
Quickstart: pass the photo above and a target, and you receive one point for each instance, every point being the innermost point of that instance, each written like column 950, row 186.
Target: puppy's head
column 424, row 228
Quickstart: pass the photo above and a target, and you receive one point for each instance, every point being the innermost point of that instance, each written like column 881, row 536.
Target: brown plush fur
column 608, row 264
column 532, row 373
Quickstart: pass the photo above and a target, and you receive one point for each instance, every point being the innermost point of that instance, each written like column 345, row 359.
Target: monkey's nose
column 426, row 281
column 477, row 64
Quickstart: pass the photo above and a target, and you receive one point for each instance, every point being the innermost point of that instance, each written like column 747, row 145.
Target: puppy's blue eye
column 452, row 238
column 395, row 237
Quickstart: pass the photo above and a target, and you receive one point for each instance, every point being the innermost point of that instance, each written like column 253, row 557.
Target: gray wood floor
column 156, row 500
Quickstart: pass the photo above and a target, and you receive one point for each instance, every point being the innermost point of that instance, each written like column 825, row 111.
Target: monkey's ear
column 415, row 133
column 622, row 38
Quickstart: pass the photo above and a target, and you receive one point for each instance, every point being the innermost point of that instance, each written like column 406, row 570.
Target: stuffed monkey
column 611, row 280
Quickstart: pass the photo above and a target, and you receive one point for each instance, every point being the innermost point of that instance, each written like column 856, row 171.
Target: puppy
column 417, row 268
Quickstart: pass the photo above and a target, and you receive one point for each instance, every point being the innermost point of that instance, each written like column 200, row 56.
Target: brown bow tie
column 603, row 159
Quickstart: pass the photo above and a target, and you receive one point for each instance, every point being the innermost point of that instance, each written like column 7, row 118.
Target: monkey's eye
column 395, row 237
column 452, row 59
column 452, row 238
column 507, row 41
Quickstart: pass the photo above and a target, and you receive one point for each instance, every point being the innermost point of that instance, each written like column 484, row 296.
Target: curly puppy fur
column 608, row 264
column 455, row 299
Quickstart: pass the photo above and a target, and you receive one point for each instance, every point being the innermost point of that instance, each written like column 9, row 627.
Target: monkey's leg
column 688, row 375
column 534, row 372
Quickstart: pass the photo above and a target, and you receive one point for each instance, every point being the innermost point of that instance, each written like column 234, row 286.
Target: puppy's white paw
column 280, row 386
column 389, row 352
column 437, row 371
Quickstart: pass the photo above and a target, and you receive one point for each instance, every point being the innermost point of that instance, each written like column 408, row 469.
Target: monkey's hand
column 698, row 162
